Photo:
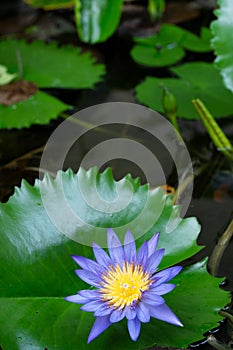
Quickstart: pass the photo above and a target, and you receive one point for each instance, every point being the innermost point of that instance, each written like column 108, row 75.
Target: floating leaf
column 50, row 4
column 46, row 66
column 37, row 271
column 37, row 109
column 97, row 19
column 222, row 30
column 208, row 87
column 167, row 46
column 50, row 66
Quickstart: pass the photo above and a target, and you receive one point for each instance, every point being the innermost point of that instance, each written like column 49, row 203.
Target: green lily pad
column 195, row 80
column 37, row 271
column 34, row 321
column 49, row 66
column 96, row 20
column 222, row 30
column 37, row 109
column 167, row 47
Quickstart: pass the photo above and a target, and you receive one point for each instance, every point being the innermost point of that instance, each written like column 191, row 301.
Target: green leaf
column 37, row 271
column 222, row 31
column 50, row 4
column 194, row 43
column 46, row 66
column 39, row 322
column 167, row 46
column 97, row 19
column 50, row 66
column 37, row 109
column 208, row 87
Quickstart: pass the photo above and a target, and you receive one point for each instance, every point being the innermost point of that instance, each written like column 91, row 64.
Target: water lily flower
column 126, row 285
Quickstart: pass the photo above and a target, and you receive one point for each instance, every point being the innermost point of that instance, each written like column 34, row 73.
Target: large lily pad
column 168, row 46
column 37, row 270
column 195, row 80
column 222, row 30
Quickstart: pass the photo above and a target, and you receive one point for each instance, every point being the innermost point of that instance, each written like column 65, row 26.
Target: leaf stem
column 216, row 256
column 19, row 63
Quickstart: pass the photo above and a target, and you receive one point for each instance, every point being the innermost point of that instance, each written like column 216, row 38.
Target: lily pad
column 37, row 109
column 209, row 88
column 37, row 271
column 48, row 67
column 222, row 31
column 97, row 19
column 168, row 46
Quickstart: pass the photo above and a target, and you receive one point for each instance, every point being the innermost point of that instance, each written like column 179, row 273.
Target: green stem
column 216, row 256
column 218, row 137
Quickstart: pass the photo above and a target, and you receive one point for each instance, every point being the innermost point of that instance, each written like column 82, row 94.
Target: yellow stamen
column 121, row 286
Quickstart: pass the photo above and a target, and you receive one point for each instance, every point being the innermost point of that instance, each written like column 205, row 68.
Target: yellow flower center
column 121, row 286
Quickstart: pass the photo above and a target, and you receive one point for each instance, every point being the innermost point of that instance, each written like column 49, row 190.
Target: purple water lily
column 126, row 285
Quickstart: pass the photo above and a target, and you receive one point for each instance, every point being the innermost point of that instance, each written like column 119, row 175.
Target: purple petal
column 129, row 247
column 101, row 256
column 103, row 310
column 142, row 254
column 89, row 294
column 154, row 261
column 152, row 298
column 77, row 299
column 152, row 244
column 114, row 247
column 88, row 277
column 99, row 326
column 163, row 288
column 164, row 313
column 130, row 313
column 88, row 264
column 134, row 327
column 92, row 306
column 117, row 315
column 143, row 313
column 166, row 275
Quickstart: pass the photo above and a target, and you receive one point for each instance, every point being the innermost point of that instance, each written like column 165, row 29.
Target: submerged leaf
column 208, row 87
column 37, row 271
column 222, row 30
